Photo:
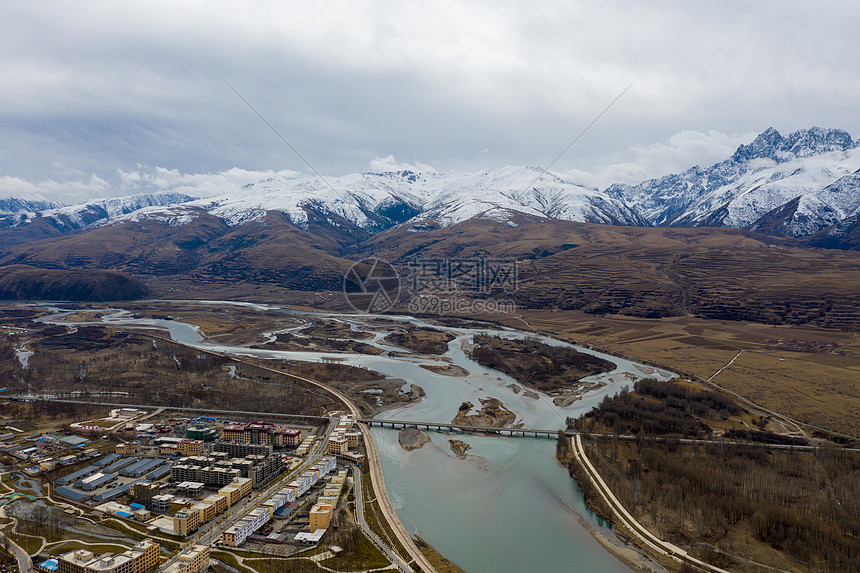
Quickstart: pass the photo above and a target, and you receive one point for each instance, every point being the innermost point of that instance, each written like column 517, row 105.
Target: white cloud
column 68, row 192
column 195, row 184
column 389, row 163
column 98, row 86
column 682, row 151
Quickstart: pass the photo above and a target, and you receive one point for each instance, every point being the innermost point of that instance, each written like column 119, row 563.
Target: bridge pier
column 461, row 429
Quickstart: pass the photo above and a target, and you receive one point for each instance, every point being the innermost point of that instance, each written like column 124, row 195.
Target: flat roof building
column 127, row 448
column 320, row 516
column 192, row 560
column 186, row 522
column 310, row 538
column 83, row 561
column 192, row 488
column 162, row 502
column 73, row 441
column 220, row 502
column 144, row 555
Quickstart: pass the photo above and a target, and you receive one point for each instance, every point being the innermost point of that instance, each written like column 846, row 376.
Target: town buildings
column 262, row 433
column 320, row 516
column 192, row 560
column 127, row 448
column 139, row 559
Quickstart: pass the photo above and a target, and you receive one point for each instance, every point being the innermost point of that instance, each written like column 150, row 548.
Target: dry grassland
column 821, row 388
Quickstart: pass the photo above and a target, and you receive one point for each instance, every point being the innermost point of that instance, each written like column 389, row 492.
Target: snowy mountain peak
column 791, row 185
column 755, row 182
column 770, row 144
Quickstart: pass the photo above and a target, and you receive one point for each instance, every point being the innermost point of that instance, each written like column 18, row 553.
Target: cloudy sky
column 103, row 98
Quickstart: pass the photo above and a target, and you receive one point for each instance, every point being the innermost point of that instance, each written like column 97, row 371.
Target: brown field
column 743, row 507
column 354, row 381
column 817, row 388
column 554, row 370
column 154, row 370
column 447, row 370
column 84, row 316
column 421, row 340
column 291, row 342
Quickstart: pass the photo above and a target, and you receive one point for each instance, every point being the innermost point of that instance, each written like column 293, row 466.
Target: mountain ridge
column 793, row 186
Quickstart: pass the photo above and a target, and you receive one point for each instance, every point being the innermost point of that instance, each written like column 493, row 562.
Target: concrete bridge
column 451, row 428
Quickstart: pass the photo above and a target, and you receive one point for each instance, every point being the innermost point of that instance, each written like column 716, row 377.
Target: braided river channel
column 509, row 506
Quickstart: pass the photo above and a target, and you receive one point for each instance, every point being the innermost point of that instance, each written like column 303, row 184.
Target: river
column 509, row 506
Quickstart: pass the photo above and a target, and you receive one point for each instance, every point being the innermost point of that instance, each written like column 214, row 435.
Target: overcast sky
column 100, row 98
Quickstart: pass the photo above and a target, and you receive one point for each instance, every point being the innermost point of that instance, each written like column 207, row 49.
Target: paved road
column 385, row 503
column 646, row 537
column 729, row 363
column 25, row 562
column 368, row 532
column 694, row 441
column 375, row 477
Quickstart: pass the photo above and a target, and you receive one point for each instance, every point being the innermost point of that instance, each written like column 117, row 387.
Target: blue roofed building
column 158, row 473
column 69, row 478
column 108, row 459
column 73, row 441
column 72, row 494
column 49, row 566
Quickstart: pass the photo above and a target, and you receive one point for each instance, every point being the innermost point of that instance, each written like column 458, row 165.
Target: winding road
column 647, row 538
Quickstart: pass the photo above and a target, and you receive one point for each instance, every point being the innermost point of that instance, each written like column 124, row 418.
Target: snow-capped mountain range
column 792, row 185
column 817, row 168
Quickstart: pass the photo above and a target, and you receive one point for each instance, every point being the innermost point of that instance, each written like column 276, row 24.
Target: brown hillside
column 269, row 251
column 21, row 282
column 727, row 274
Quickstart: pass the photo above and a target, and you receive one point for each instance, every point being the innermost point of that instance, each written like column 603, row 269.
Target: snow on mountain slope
column 17, row 205
column 376, row 201
column 767, row 186
column 493, row 193
column 791, row 185
column 370, row 201
column 759, row 178
column 810, row 213
column 170, row 215
column 100, row 211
